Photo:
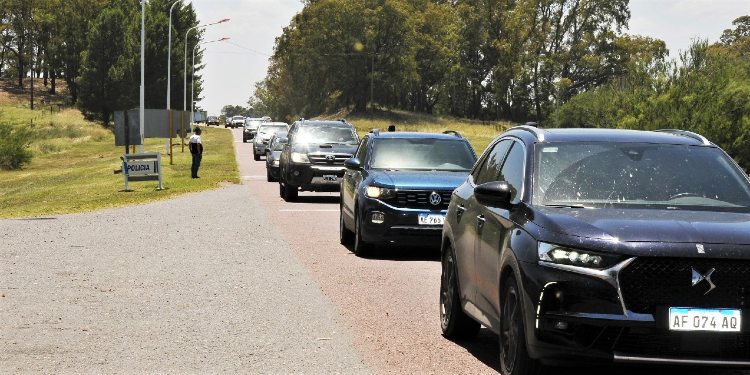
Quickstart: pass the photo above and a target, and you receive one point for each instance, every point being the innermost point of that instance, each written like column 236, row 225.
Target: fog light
column 561, row 325
column 378, row 218
column 295, row 173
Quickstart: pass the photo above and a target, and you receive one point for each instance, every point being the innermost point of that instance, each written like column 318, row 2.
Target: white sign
column 136, row 168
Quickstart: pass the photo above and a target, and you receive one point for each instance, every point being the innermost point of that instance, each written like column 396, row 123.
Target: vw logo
column 698, row 277
column 330, row 158
column 435, row 199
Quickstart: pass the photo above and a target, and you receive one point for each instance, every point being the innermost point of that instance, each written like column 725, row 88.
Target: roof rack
column 375, row 132
column 685, row 133
column 454, row 133
column 343, row 120
column 538, row 133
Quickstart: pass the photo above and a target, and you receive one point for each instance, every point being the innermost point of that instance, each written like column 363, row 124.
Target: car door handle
column 480, row 221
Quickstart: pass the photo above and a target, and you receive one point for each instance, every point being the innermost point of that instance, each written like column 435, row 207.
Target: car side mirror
column 353, row 163
column 494, row 194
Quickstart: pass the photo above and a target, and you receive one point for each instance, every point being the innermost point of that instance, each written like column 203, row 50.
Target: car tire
column 244, row 140
column 361, row 248
column 453, row 320
column 256, row 156
column 514, row 357
column 346, row 236
column 269, row 176
column 290, row 193
column 281, row 190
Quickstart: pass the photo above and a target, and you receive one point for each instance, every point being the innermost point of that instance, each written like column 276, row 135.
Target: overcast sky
column 233, row 67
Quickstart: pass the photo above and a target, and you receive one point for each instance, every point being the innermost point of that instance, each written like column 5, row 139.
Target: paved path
column 199, row 284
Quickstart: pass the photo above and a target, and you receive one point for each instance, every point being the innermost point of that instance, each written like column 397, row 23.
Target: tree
column 741, row 30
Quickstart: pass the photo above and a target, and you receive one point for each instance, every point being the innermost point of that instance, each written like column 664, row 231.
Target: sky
column 233, row 67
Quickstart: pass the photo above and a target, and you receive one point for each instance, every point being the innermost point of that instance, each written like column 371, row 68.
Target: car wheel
column 453, row 320
column 345, row 235
column 281, row 190
column 514, row 358
column 256, row 156
column 290, row 193
column 269, row 178
column 244, row 140
column 361, row 248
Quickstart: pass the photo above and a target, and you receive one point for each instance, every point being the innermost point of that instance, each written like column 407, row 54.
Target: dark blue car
column 397, row 188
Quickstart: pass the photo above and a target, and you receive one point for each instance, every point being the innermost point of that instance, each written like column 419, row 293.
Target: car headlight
column 379, row 192
column 275, row 163
column 299, row 158
column 575, row 257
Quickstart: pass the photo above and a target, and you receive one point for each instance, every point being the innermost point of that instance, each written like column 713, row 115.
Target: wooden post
column 127, row 137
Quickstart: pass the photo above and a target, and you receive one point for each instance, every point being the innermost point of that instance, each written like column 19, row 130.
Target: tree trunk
column 53, row 88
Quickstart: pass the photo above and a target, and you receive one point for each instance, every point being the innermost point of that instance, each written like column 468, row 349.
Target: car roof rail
column 454, row 133
column 685, row 133
column 538, row 133
column 375, row 132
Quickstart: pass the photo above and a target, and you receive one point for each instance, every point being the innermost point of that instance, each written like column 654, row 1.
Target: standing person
column 196, row 150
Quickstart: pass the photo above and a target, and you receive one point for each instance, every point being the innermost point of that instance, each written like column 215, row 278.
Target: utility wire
column 248, row 49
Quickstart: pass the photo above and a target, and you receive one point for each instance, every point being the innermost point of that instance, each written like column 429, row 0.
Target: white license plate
column 431, row 219
column 330, row 177
column 716, row 320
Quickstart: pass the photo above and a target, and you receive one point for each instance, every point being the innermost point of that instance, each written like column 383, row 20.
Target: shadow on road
column 400, row 254
column 485, row 348
column 317, row 199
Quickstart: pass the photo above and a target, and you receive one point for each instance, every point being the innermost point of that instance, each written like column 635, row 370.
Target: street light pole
column 192, row 77
column 184, row 91
column 143, row 74
column 169, row 76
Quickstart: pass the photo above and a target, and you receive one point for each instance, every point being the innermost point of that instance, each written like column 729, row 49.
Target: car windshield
column 253, row 124
column 422, row 154
column 271, row 129
column 326, row 134
column 638, row 175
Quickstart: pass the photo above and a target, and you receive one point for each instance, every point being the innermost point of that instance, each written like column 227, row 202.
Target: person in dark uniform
column 196, row 150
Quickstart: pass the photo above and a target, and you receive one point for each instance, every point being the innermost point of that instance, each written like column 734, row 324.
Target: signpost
column 142, row 167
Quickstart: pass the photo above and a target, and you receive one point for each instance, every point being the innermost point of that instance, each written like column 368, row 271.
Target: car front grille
column 420, row 199
column 338, row 159
column 649, row 283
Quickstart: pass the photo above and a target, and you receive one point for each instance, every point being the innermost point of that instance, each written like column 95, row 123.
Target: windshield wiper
column 566, row 206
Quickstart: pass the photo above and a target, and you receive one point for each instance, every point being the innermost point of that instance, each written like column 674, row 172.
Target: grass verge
column 73, row 162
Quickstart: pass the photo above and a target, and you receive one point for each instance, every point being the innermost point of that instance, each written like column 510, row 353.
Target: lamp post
column 169, row 75
column 143, row 74
column 184, row 91
column 192, row 77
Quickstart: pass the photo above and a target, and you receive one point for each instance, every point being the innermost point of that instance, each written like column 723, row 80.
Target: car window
column 362, row 150
column 513, row 171
column 421, row 153
column 489, row 170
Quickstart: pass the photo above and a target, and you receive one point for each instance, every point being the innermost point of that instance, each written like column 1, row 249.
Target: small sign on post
column 142, row 167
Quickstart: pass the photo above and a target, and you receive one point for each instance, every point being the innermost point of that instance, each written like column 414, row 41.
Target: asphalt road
column 232, row 280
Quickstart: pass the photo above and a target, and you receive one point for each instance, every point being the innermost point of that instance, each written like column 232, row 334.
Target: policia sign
column 142, row 167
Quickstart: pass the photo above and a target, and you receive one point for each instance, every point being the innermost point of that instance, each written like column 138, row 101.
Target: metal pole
column 192, row 88
column 169, row 75
column 143, row 73
column 184, row 69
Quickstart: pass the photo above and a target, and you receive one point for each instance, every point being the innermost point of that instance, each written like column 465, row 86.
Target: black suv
column 313, row 159
column 397, row 188
column 612, row 245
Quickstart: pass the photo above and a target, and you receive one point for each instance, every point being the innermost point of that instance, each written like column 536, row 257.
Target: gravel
column 201, row 283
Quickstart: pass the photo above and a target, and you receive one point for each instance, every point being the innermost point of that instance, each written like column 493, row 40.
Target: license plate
column 715, row 320
column 330, row 177
column 431, row 219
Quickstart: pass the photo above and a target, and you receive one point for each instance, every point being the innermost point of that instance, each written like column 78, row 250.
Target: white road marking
column 308, row 210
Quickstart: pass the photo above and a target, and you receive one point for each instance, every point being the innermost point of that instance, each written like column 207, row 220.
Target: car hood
column 419, row 180
column 647, row 225
column 313, row 148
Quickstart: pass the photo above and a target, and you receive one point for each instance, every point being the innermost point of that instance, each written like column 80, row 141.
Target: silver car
column 273, row 153
column 264, row 134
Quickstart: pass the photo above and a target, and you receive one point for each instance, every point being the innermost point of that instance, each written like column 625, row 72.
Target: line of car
column 572, row 245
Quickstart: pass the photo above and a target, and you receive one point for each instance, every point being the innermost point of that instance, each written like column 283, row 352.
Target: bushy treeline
column 94, row 45
column 707, row 91
column 488, row 59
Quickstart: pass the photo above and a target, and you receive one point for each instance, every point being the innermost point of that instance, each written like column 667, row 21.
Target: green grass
column 479, row 133
column 74, row 159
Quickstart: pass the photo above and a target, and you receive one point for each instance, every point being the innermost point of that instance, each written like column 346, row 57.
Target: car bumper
column 313, row 177
column 400, row 225
column 259, row 149
column 574, row 318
